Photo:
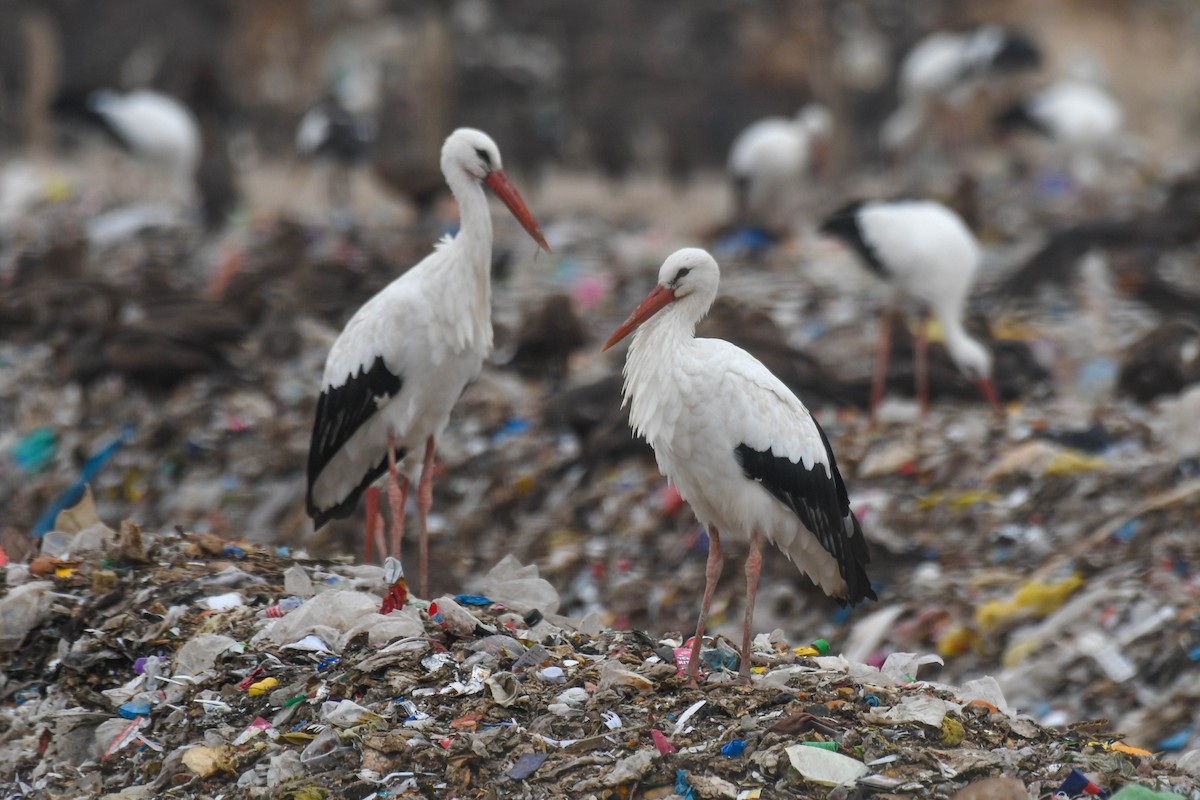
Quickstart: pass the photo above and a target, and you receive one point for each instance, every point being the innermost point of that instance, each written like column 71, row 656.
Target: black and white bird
column 770, row 161
column 926, row 253
column 396, row 370
column 329, row 133
column 944, row 67
column 741, row 449
column 1081, row 118
column 151, row 126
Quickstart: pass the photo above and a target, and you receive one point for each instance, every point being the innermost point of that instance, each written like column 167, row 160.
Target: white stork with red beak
column 396, row 370
column 927, row 253
column 742, row 450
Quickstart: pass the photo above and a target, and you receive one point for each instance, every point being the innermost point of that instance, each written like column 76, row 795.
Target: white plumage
column 1082, row 119
column 944, row 67
column 927, row 253
column 404, row 358
column 1076, row 113
column 156, row 128
column 770, row 160
column 741, row 448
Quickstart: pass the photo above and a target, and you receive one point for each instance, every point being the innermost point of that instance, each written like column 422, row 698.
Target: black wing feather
column 342, row 410
column 846, row 224
column 821, row 503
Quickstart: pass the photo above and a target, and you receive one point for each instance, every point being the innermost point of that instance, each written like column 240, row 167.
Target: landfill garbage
column 447, row 711
column 1035, row 577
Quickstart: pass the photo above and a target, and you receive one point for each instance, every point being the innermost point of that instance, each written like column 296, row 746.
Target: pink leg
column 920, row 363
column 753, row 568
column 374, row 534
column 397, row 497
column 882, row 351
column 712, row 572
column 424, row 503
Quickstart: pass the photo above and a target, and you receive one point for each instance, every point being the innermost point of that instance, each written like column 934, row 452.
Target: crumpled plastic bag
column 337, row 617
column 519, row 587
column 21, row 610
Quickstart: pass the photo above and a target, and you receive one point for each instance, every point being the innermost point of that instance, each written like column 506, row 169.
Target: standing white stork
column 1081, row 118
column 151, row 126
column 926, row 252
column 770, row 160
column 329, row 133
column 741, row 449
column 396, row 370
column 944, row 67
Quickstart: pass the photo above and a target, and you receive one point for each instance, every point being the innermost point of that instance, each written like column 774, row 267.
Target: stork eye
column 679, row 275
column 483, row 156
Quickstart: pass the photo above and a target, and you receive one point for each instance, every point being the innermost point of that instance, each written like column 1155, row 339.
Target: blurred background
column 164, row 316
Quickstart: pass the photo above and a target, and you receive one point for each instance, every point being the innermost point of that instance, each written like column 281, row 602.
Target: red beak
column 988, row 390
column 659, row 297
column 499, row 183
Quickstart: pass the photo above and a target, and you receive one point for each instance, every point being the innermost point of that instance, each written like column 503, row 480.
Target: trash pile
column 178, row 664
column 1044, row 567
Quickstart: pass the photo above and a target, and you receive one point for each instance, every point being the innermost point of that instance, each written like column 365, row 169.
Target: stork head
column 975, row 362
column 473, row 151
column 690, row 275
column 816, row 120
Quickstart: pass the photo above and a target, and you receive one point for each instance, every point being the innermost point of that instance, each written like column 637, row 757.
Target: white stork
column 1083, row 119
column 944, row 66
column 741, row 449
column 152, row 126
column 770, row 160
column 927, row 253
column 329, row 132
column 403, row 359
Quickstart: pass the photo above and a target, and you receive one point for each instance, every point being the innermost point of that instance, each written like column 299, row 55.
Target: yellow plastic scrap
column 957, row 502
column 1072, row 462
column 1032, row 599
column 931, row 500
column 965, row 500
column 1011, row 328
column 57, row 189
column 262, row 687
column 956, row 641
column 952, row 732
column 1121, row 747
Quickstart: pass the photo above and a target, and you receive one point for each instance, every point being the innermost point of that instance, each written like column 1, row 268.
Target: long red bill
column 659, row 296
column 499, row 183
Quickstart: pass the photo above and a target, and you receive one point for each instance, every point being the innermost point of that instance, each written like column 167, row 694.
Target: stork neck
column 665, row 332
column 961, row 346
column 475, row 220
column 473, row 261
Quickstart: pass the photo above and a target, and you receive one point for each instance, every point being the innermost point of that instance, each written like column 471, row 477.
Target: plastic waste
column 34, row 450
column 297, row 582
column 453, row 618
column 825, row 767
column 201, row 653
column 320, row 749
column 347, row 714
column 21, row 610
column 519, row 587
column 1076, row 783
column 661, row 743
column 337, row 617
column 525, row 766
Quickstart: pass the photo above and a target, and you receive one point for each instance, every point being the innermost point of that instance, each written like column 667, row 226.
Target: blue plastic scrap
column 74, row 492
column 526, row 765
column 681, row 786
column 733, row 749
